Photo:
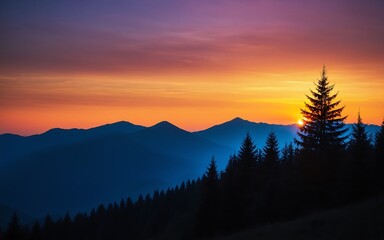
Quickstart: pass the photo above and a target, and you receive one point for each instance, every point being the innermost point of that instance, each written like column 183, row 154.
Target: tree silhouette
column 247, row 182
column 379, row 154
column 360, row 144
column 207, row 221
column 321, row 141
column 323, row 127
column 15, row 231
column 270, row 177
column 230, row 209
column 271, row 152
column 35, row 232
column 247, row 154
column 288, row 154
column 379, row 143
column 359, row 155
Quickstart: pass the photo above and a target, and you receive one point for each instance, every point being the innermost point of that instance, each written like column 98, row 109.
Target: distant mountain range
column 74, row 170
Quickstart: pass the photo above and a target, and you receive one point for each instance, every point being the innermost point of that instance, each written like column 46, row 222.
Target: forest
column 324, row 168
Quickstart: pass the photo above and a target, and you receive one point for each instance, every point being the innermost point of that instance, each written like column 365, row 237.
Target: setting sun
column 300, row 122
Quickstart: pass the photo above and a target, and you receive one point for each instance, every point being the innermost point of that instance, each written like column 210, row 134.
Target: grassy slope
column 363, row 220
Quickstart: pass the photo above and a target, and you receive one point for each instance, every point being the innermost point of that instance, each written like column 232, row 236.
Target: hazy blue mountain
column 14, row 146
column 75, row 170
column 79, row 176
column 370, row 128
column 232, row 133
column 167, row 138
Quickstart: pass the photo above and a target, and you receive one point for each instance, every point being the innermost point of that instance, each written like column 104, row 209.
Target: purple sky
column 190, row 53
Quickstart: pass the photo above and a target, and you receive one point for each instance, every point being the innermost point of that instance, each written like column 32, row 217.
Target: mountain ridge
column 110, row 159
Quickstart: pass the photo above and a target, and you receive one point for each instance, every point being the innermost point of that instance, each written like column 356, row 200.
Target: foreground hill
column 358, row 221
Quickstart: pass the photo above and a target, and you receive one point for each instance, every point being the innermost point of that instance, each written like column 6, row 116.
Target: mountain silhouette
column 14, row 146
column 82, row 174
column 231, row 133
column 75, row 170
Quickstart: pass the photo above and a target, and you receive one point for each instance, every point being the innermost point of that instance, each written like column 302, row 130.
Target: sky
column 195, row 63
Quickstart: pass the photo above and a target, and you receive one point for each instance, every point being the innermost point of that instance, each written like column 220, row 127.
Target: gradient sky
column 194, row 63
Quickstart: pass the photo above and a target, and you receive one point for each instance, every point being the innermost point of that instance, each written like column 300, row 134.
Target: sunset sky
column 194, row 63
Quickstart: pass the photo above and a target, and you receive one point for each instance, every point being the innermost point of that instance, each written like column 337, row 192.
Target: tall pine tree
column 321, row 142
column 379, row 144
column 323, row 129
column 379, row 153
column 271, row 152
column 359, row 157
column 270, row 177
column 207, row 219
column 247, row 180
column 360, row 144
column 15, row 231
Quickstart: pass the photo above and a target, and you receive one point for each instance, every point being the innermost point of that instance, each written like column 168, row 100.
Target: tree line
column 322, row 169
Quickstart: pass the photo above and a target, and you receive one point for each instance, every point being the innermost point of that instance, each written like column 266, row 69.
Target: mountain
column 74, row 170
column 14, row 146
column 167, row 138
column 232, row 133
column 82, row 174
column 370, row 128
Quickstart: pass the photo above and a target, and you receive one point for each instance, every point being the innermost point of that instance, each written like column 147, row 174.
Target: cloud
column 205, row 36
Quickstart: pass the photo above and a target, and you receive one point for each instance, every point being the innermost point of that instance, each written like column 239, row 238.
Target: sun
column 300, row 122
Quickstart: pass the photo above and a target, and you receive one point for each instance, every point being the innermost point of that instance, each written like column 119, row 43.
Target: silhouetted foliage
column 15, row 231
column 359, row 153
column 379, row 143
column 35, row 233
column 321, row 141
column 271, row 153
column 360, row 144
column 323, row 129
column 207, row 218
column 379, row 154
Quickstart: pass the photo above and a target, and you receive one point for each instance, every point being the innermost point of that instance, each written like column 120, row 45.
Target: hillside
column 357, row 221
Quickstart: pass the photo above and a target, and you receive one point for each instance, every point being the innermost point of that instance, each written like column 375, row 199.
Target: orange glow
column 192, row 102
column 201, row 65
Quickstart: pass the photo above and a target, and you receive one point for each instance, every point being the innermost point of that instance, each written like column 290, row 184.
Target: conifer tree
column 247, row 181
column 359, row 144
column 14, row 230
column 247, row 154
column 35, row 232
column 379, row 144
column 323, row 127
column 270, row 177
column 288, row 154
column 229, row 195
column 379, row 154
column 207, row 222
column 271, row 152
column 359, row 157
